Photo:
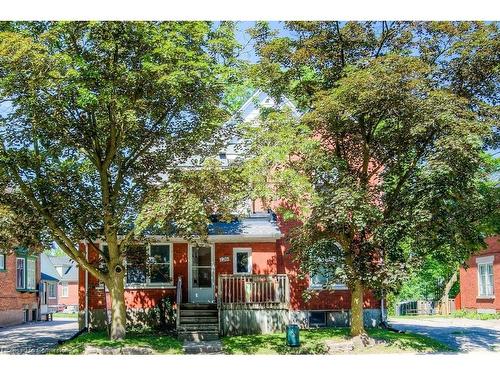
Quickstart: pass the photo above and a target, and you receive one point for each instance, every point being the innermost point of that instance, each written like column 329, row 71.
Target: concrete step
column 199, row 319
column 198, row 306
column 214, row 327
column 202, row 347
column 213, row 313
column 198, row 336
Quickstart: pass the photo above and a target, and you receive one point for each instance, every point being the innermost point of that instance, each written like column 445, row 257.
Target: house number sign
column 224, row 259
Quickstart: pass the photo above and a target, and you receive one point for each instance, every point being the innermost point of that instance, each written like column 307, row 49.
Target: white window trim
column 488, row 259
column 247, row 250
column 64, row 289
column 24, row 273
column 483, row 261
column 327, row 287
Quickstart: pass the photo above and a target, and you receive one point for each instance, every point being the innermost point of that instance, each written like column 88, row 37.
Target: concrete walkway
column 37, row 337
column 466, row 335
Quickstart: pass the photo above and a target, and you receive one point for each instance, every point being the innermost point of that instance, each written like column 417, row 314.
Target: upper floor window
column 20, row 273
column 31, row 274
column 485, row 276
column 64, row 289
column 52, row 290
column 2, row 262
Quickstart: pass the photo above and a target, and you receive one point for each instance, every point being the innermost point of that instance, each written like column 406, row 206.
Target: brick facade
column 267, row 258
column 14, row 303
column 469, row 292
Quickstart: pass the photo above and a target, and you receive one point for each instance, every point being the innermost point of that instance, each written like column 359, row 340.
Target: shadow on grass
column 159, row 342
column 313, row 342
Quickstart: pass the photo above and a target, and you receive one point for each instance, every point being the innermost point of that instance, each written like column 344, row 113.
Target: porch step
column 202, row 327
column 198, row 306
column 211, row 313
column 199, row 319
column 198, row 336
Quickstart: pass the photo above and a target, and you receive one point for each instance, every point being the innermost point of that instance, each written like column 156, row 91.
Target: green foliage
column 397, row 127
column 473, row 315
column 428, row 281
column 185, row 204
column 98, row 110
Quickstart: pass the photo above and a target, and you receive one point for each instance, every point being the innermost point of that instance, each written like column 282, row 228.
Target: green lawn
column 160, row 343
column 455, row 314
column 66, row 315
column 312, row 342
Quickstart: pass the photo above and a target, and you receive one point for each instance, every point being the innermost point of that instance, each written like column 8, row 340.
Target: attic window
column 222, row 156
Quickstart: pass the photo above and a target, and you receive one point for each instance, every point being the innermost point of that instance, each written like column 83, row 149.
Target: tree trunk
column 118, row 312
column 357, row 324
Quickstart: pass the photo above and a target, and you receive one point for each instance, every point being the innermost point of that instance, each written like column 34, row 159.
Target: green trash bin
column 292, row 335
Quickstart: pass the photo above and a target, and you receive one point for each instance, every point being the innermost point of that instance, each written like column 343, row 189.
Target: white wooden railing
column 253, row 291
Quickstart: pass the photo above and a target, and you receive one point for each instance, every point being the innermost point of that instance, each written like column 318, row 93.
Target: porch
column 244, row 304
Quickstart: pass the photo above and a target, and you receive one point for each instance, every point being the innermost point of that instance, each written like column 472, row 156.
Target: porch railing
column 253, row 291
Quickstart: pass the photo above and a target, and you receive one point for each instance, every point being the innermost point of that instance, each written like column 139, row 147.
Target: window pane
column 202, row 256
column 31, row 274
column 160, row 273
column 2, row 261
column 242, row 265
column 160, row 253
column 136, row 264
column 20, row 276
column 136, row 274
column 317, row 318
column 202, row 277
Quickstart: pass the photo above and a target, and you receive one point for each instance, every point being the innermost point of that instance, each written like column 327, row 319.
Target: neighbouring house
column 48, row 286
column 67, row 288
column 480, row 280
column 19, row 280
column 243, row 280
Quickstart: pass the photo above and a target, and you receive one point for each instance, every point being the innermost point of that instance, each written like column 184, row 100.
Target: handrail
column 178, row 300
column 254, row 290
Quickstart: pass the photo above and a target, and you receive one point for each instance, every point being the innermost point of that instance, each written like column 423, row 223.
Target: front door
column 201, row 274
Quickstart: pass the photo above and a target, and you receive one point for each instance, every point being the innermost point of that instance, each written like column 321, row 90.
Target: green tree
column 387, row 165
column 99, row 113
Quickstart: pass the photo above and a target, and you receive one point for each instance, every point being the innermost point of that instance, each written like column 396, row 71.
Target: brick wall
column 12, row 302
column 469, row 280
column 72, row 298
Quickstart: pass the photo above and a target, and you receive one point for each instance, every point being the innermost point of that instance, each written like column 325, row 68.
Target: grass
column 454, row 314
column 160, row 343
column 473, row 315
column 313, row 342
column 66, row 315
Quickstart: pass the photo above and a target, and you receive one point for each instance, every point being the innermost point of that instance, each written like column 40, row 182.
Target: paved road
column 37, row 337
column 463, row 334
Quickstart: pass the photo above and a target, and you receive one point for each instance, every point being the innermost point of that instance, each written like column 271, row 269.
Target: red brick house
column 242, row 280
column 480, row 282
column 19, row 280
column 67, row 289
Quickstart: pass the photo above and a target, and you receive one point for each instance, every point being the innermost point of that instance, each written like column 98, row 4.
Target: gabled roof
column 69, row 266
column 47, row 269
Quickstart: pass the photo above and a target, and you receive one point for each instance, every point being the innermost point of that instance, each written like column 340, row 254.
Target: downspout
column 86, row 288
